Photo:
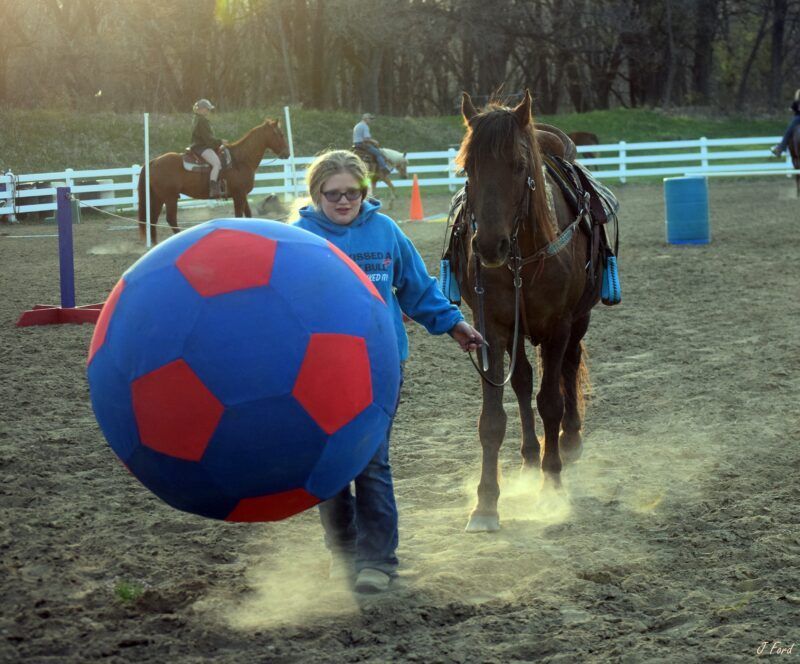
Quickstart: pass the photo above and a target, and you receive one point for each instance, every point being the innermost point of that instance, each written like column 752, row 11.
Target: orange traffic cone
column 416, row 213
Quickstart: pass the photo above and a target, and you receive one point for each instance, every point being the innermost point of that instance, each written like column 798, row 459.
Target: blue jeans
column 788, row 135
column 376, row 153
column 364, row 527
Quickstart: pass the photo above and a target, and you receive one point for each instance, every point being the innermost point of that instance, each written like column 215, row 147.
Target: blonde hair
column 797, row 94
column 329, row 164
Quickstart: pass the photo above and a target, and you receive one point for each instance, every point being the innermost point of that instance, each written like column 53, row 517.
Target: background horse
column 394, row 159
column 507, row 204
column 169, row 179
column 585, row 138
column 794, row 151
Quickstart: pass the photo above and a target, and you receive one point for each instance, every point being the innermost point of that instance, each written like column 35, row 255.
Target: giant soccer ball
column 244, row 370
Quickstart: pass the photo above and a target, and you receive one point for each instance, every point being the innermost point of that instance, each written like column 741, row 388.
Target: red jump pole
column 43, row 314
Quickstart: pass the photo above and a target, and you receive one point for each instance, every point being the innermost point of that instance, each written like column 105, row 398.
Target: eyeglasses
column 334, row 196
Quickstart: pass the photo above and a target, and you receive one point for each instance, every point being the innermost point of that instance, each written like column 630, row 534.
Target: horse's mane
column 495, row 133
column 245, row 138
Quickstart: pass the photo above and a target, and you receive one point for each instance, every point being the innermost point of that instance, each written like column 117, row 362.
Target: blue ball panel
column 319, row 281
column 151, row 321
column 110, row 392
column 246, row 345
column 185, row 485
column 264, row 447
column 348, row 451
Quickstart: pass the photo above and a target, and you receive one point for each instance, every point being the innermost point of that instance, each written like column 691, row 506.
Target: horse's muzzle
column 493, row 256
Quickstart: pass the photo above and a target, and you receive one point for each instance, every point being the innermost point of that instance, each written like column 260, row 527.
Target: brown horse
column 512, row 223
column 394, row 159
column 585, row 138
column 169, row 179
column 794, row 151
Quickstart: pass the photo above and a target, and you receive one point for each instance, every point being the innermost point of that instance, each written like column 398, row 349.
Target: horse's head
column 503, row 166
column 402, row 167
column 276, row 141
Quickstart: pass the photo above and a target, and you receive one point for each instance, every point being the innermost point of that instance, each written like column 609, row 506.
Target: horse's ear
column 523, row 110
column 467, row 107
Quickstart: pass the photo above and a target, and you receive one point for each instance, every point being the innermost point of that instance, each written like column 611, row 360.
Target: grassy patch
column 128, row 591
column 45, row 140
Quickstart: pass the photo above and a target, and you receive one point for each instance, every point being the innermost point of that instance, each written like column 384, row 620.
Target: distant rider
column 206, row 144
column 778, row 149
column 362, row 138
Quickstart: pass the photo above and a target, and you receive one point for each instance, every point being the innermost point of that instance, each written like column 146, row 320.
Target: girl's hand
column 467, row 336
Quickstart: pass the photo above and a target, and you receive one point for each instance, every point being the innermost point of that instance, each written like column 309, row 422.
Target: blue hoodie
column 378, row 246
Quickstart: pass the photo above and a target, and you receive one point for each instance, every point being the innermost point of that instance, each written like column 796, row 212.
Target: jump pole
column 148, row 241
column 291, row 148
column 45, row 314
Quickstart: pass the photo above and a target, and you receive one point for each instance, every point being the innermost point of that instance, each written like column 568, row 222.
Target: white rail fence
column 117, row 187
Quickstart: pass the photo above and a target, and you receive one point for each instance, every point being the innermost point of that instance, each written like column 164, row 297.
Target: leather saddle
column 194, row 162
column 367, row 157
column 553, row 141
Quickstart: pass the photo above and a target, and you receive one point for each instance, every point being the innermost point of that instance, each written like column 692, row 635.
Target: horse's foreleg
column 238, row 208
column 522, row 383
column 550, row 402
column 573, row 372
column 491, row 428
column 172, row 214
column 391, row 193
column 247, row 212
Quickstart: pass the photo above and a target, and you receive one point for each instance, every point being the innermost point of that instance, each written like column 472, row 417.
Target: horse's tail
column 584, row 384
column 142, row 216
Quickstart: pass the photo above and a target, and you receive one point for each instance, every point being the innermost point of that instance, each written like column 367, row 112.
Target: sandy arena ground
column 677, row 539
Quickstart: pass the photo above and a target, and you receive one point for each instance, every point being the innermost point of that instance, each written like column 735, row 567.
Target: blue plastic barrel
column 686, row 201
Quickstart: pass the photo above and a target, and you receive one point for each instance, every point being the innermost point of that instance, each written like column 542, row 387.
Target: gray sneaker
column 372, row 581
column 775, row 149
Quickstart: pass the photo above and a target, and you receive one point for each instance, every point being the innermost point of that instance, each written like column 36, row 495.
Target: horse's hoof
column 483, row 523
column 551, row 480
column 570, row 447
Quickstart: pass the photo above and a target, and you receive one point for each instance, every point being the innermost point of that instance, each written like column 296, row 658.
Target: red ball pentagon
column 272, row 508
column 99, row 336
column 357, row 270
column 175, row 412
column 334, row 383
column 228, row 260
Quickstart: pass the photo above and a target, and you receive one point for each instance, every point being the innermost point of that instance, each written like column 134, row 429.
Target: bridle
column 516, row 263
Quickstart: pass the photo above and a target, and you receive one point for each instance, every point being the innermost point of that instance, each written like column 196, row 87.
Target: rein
column 516, row 263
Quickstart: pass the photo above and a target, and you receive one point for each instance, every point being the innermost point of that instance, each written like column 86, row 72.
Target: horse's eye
column 520, row 168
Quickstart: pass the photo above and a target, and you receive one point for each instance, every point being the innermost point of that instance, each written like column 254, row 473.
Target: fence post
column 287, row 181
column 135, row 184
column 12, row 187
column 622, row 155
column 451, row 168
column 148, row 240
column 704, row 153
column 292, row 167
